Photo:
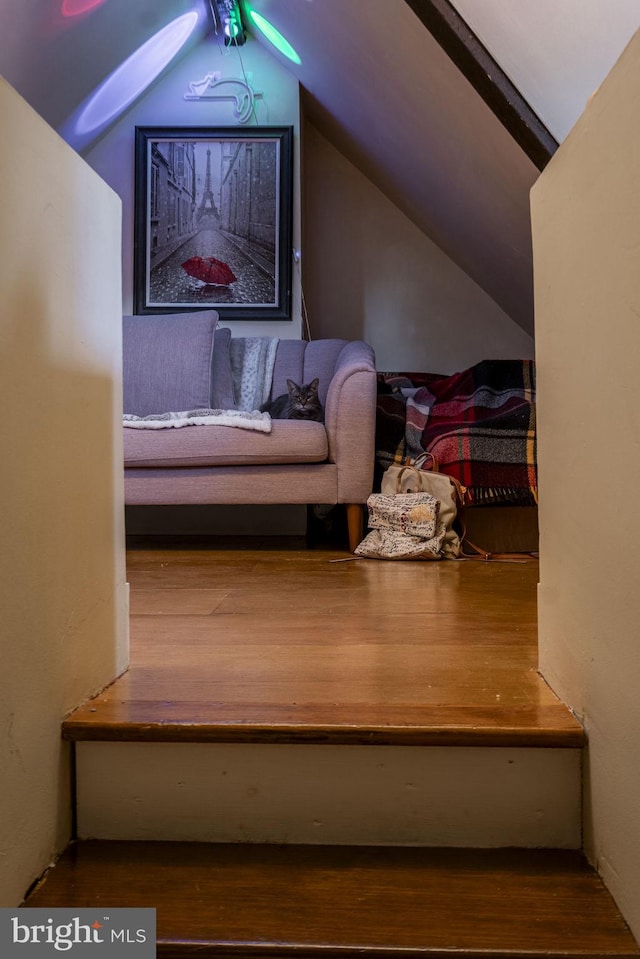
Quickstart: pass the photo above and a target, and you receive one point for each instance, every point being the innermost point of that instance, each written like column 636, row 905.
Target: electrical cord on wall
column 303, row 303
column 224, row 50
column 253, row 102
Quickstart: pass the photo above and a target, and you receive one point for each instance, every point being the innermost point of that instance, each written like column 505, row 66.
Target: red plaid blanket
column 478, row 424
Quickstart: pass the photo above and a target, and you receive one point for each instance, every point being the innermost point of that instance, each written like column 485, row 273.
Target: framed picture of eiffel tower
column 213, row 211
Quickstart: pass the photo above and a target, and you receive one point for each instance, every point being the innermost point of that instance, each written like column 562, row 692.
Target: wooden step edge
column 105, row 720
column 334, row 902
column 335, row 735
column 183, row 949
column 169, row 949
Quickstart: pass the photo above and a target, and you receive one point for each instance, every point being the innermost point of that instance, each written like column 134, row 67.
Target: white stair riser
column 431, row 796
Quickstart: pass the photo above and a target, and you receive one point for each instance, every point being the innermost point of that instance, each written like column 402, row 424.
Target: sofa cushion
column 167, row 362
column 221, row 372
column 290, row 441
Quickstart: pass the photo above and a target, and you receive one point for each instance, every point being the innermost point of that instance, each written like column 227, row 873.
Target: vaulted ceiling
column 381, row 88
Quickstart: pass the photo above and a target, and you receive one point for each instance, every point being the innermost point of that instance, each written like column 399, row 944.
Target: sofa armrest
column 350, row 421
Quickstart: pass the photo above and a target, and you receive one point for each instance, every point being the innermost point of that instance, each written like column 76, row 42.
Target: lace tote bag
column 403, row 527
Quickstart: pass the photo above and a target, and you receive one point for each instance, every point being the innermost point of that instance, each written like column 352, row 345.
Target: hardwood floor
column 290, row 645
column 236, row 643
column 336, row 902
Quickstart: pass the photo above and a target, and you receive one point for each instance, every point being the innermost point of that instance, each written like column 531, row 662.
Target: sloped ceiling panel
column 57, row 52
column 487, row 77
column 556, row 53
column 383, row 91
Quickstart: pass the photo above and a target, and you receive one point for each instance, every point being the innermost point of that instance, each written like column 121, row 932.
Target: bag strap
column 461, row 493
column 404, row 469
column 483, row 555
column 460, row 490
column 419, row 462
column 479, row 553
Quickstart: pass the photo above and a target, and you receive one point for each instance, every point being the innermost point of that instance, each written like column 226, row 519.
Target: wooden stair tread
column 277, row 646
column 121, row 720
column 336, row 901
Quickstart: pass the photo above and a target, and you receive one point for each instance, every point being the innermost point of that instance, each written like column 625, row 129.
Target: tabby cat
column 300, row 403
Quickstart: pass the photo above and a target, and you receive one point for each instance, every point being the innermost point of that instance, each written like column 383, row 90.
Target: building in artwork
column 172, row 196
column 249, row 196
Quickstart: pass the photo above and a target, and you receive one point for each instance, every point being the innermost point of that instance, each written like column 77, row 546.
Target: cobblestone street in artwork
column 171, row 285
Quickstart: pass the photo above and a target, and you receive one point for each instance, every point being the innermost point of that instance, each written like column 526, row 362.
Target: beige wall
column 62, row 581
column 586, row 226
column 370, row 273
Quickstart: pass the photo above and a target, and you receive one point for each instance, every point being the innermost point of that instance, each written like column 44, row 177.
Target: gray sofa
column 297, row 462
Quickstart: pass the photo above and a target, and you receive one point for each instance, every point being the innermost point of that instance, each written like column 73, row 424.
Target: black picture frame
column 213, row 221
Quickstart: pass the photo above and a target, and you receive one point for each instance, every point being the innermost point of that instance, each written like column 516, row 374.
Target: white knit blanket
column 252, row 420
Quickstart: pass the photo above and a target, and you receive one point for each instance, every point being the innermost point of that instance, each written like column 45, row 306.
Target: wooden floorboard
column 341, row 901
column 296, row 645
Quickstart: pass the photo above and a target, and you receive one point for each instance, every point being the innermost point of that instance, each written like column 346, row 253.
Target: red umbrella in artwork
column 209, row 270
